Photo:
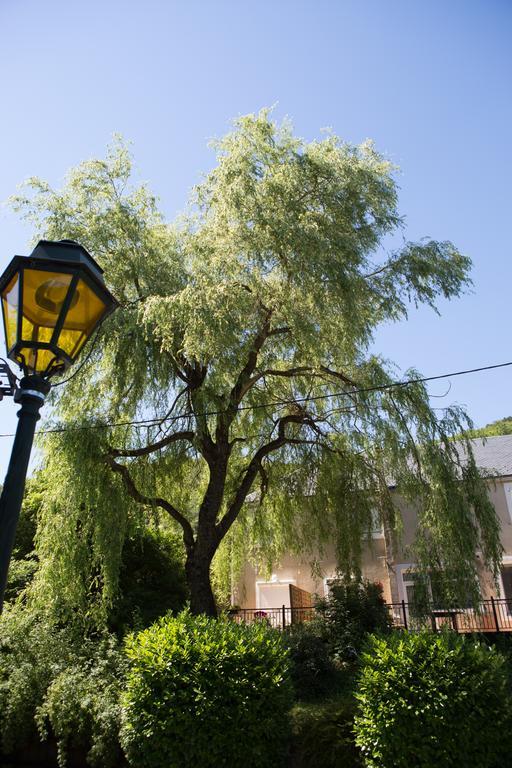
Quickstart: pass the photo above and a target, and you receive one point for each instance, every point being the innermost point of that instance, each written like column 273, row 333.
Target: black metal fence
column 493, row 615
column 279, row 618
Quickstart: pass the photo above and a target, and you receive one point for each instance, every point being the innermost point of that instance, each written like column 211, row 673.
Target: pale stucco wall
column 298, row 570
column 386, row 567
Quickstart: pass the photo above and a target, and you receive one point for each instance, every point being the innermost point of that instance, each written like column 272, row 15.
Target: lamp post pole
column 30, row 395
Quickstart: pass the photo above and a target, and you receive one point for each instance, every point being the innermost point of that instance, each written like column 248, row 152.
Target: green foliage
column 499, row 427
column 352, row 610
column 270, row 289
column 151, row 582
column 55, row 681
column 204, row 692
column 24, row 563
column 313, row 672
column 323, row 735
column 21, row 574
column 428, row 700
column 27, row 524
column 81, row 531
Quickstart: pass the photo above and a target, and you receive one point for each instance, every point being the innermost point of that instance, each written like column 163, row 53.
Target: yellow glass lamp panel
column 43, row 296
column 37, row 360
column 10, row 305
column 44, row 293
column 83, row 315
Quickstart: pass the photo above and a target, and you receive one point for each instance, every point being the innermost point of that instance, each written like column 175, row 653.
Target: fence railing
column 493, row 615
column 279, row 618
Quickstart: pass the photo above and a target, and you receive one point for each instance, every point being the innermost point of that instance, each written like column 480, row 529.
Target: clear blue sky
column 430, row 82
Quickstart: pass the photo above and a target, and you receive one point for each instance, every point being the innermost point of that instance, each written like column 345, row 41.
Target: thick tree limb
column 152, row 447
column 156, row 501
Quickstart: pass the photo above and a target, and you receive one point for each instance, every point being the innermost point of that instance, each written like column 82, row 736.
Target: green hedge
column 205, row 692
column 432, row 700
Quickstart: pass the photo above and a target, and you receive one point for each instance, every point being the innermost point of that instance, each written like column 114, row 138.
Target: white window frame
column 401, row 570
column 506, row 560
column 507, row 489
column 377, row 529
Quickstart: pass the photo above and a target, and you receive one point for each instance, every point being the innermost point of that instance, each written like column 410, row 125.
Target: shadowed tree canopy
column 244, row 331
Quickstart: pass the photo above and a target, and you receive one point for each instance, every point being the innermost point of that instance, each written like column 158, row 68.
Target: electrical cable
column 277, row 403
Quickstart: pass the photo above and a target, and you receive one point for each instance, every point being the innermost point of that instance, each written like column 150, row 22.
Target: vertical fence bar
column 495, row 614
column 284, row 615
column 404, row 611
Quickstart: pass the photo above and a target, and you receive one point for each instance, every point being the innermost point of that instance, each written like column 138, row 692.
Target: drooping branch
column 303, row 370
column 411, row 441
column 156, row 501
column 390, row 264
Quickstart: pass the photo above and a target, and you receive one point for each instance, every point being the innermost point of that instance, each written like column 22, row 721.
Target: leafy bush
column 27, row 524
column 24, row 563
column 56, row 682
column 323, row 735
column 205, row 692
column 430, row 700
column 21, row 573
column 312, row 670
column 352, row 610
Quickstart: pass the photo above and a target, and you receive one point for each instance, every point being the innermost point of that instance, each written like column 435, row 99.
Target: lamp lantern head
column 52, row 301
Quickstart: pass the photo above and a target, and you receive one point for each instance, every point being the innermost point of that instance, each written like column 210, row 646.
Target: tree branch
column 388, row 265
column 303, row 370
column 240, row 388
column 120, row 469
column 254, row 467
column 174, row 438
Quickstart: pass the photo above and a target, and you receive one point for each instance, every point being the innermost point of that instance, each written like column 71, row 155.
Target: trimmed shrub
column 323, row 735
column 352, row 611
column 313, row 672
column 432, row 700
column 206, row 692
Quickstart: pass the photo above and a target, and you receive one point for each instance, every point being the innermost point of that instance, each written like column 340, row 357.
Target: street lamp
column 52, row 301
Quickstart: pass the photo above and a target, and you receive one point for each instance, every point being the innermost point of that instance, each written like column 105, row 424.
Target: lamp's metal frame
column 8, row 381
column 79, row 272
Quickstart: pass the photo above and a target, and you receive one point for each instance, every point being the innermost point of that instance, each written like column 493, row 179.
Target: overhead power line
column 156, row 421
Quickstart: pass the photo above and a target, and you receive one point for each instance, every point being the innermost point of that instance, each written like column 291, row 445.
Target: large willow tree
column 244, row 331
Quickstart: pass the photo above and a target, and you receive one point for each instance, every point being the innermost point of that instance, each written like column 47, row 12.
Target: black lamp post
column 52, row 301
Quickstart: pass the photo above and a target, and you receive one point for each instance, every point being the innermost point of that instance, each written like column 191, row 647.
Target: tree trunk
column 200, row 556
column 197, row 571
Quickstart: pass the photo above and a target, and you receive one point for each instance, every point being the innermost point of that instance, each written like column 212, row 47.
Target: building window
column 506, row 580
column 377, row 525
column 437, row 594
column 507, row 487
